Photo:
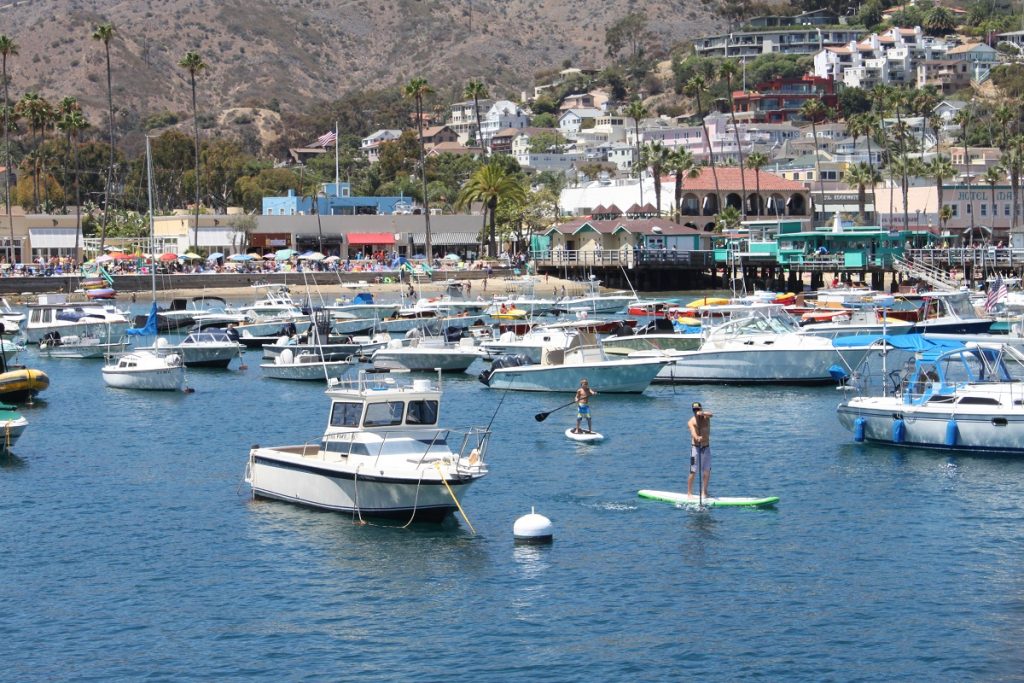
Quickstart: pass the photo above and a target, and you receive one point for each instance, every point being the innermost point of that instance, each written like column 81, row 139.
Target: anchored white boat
column 145, row 370
column 969, row 398
column 382, row 454
column 12, row 426
column 89, row 345
column 561, row 369
column 53, row 312
column 210, row 348
column 305, row 366
column 427, row 353
column 761, row 344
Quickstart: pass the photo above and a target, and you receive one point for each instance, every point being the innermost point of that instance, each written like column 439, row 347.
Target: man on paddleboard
column 700, row 448
column 583, row 395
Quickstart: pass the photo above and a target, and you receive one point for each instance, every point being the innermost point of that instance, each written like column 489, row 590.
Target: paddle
column 540, row 417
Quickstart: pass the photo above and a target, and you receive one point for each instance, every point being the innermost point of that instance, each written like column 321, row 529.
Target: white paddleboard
column 585, row 437
column 711, row 502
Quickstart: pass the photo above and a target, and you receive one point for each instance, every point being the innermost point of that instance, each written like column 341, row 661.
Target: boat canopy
column 905, row 342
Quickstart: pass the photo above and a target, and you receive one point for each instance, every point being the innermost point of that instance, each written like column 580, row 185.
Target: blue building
column 335, row 199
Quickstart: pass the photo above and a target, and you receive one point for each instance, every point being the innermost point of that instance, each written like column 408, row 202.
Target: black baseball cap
column 696, row 406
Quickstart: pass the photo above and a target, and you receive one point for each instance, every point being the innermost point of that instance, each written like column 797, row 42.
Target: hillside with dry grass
column 288, row 54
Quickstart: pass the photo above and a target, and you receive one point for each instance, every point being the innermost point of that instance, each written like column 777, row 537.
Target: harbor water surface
column 132, row 550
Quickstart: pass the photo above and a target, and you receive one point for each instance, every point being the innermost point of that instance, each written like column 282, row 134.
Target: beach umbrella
column 214, row 256
column 284, row 254
column 106, row 258
column 190, row 255
column 452, row 257
column 121, row 256
column 256, row 255
column 168, row 257
column 315, row 256
column 269, row 256
column 240, row 257
column 332, row 259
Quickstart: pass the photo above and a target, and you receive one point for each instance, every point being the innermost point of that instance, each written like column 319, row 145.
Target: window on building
column 984, row 210
column 956, row 209
column 1006, row 209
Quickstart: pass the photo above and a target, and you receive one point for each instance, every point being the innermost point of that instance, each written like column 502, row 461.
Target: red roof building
column 780, row 99
column 767, row 194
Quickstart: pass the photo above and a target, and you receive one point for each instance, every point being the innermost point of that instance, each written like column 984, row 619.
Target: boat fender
column 858, row 429
column 173, row 360
column 899, row 431
column 838, row 373
column 952, row 432
column 474, row 456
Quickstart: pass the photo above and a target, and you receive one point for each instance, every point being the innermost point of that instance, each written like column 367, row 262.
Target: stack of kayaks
column 98, row 289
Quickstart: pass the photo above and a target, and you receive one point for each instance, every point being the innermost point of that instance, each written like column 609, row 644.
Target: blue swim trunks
column 582, row 410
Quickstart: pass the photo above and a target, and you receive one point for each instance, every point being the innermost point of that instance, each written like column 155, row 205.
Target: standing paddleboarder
column 700, row 448
column 583, row 395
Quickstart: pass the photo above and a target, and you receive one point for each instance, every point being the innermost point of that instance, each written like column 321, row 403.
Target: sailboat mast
column 149, row 193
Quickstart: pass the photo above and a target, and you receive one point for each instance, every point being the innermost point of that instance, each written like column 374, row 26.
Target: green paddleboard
column 723, row 502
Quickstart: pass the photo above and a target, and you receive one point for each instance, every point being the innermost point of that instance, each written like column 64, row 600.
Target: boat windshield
column 346, row 414
column 422, row 413
column 960, row 306
column 384, row 414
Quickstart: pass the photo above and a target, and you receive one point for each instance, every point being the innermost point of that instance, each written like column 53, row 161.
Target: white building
column 370, row 145
column 462, row 117
column 501, row 115
column 573, row 120
column 888, row 57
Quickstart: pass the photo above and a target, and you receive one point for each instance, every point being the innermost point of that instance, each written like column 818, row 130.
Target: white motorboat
column 359, row 346
column 427, row 353
column 349, row 323
column 362, row 305
column 53, row 312
column 856, row 322
column 277, row 302
column 383, row 454
column 305, row 366
column 941, row 313
column 596, row 302
column 760, row 344
column 658, row 335
column 968, row 398
column 561, row 369
column 12, row 426
column 145, row 370
column 54, row 345
column 210, row 348
column 11, row 320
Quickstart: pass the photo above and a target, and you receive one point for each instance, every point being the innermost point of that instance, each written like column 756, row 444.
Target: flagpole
column 337, row 178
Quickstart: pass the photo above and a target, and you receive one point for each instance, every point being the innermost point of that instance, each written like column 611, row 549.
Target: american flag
column 997, row 291
column 325, row 139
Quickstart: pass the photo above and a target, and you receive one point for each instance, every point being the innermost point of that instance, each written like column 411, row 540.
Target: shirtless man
column 583, row 395
column 700, row 449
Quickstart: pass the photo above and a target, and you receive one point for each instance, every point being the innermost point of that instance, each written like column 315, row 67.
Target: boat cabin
column 380, row 404
column 944, row 376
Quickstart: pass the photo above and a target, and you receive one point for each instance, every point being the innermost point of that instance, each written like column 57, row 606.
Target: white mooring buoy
column 533, row 528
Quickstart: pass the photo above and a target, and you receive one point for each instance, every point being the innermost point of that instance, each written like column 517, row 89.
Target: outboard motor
column 510, row 360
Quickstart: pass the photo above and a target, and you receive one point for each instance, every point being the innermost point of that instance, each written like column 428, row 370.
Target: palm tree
column 757, row 161
column 728, row 70
column 862, row 175
column 812, row 110
column 945, row 213
column 75, row 122
column 193, row 63
column 38, row 112
column 729, row 218
column 905, row 167
column 64, row 110
column 694, row 87
column 656, row 156
column 312, row 192
column 863, row 125
column 636, row 111
column 992, row 177
column 8, row 48
column 105, row 33
column 681, row 164
column 942, row 169
column 1013, row 159
column 963, row 118
column 939, row 21
column 923, row 102
column 417, row 89
column 477, row 91
column 492, row 184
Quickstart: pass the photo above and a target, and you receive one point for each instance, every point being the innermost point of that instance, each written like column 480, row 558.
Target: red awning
column 371, row 238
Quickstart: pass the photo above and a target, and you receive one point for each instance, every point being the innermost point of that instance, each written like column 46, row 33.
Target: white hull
column 106, row 333
column 166, row 379
column 630, row 376
column 977, row 427
column 310, row 371
column 88, row 349
column 10, row 431
column 278, row 474
column 756, row 366
column 450, row 360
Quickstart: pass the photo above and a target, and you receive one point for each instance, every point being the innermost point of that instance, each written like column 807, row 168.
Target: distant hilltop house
column 436, row 135
column 791, row 41
column 780, row 99
column 370, row 145
column 334, row 200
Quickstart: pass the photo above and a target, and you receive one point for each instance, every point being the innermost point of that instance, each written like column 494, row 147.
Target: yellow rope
column 437, row 466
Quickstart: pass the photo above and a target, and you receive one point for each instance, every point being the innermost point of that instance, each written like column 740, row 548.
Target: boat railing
column 470, row 442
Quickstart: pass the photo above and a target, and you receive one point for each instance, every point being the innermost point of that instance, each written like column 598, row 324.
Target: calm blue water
column 131, row 550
